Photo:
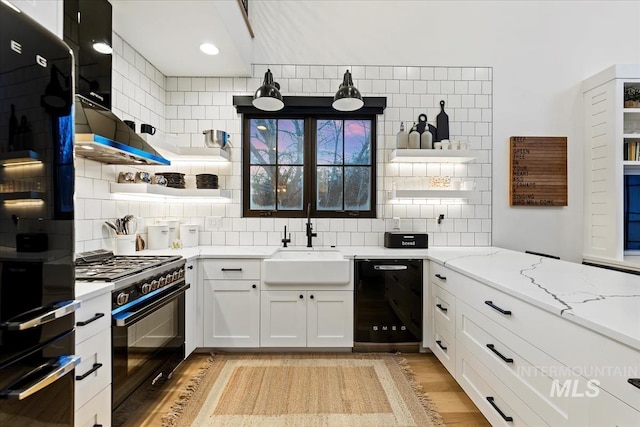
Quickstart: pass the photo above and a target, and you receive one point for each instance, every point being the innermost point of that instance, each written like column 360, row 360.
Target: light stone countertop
column 87, row 290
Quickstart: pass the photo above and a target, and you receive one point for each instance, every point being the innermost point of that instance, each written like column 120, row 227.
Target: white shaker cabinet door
column 232, row 313
column 283, row 319
column 330, row 319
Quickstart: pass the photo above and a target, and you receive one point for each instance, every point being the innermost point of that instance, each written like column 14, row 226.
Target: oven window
column 150, row 334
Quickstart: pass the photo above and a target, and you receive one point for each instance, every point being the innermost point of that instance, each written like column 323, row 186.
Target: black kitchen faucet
column 310, row 233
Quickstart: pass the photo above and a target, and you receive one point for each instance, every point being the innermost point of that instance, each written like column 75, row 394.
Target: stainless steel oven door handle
column 126, row 318
column 41, row 315
column 390, row 267
column 45, row 374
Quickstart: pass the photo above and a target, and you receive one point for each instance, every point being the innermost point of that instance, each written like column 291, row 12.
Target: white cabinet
column 231, row 303
column 606, row 410
column 518, row 361
column 193, row 312
column 306, row 318
column 93, row 374
column 610, row 132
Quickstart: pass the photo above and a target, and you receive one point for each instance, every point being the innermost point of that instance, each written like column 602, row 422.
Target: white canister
column 125, row 244
column 189, row 235
column 174, row 228
column 158, row 236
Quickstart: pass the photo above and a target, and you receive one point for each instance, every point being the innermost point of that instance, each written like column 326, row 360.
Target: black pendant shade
column 268, row 97
column 347, row 97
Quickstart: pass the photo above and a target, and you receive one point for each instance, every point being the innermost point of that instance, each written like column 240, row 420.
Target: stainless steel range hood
column 102, row 136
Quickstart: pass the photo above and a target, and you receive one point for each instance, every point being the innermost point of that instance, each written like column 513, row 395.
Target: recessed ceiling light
column 102, row 47
column 209, row 49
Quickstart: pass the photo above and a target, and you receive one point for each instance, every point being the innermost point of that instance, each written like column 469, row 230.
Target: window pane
column 263, row 141
column 357, row 142
column 263, row 188
column 357, row 188
column 290, row 142
column 329, row 141
column 329, row 188
column 290, row 187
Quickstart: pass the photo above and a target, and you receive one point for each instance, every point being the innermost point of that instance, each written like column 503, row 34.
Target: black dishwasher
column 388, row 304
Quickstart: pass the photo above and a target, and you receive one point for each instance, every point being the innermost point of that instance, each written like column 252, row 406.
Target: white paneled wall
column 186, row 106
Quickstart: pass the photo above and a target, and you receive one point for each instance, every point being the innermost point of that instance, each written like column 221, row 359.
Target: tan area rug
column 301, row 389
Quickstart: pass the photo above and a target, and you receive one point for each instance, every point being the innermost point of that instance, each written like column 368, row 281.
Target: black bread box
column 399, row 239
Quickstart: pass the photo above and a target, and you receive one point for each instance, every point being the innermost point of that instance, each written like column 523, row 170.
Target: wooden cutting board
column 442, row 124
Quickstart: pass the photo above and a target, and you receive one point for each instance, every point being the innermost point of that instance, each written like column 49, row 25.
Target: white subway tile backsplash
column 187, row 105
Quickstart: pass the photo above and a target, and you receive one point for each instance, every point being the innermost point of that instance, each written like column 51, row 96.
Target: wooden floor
column 453, row 404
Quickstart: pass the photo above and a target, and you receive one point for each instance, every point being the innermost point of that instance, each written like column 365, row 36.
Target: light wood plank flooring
column 453, row 404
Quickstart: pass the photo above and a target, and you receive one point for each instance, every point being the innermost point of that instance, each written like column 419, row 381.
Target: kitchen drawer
column 594, row 356
column 531, row 374
column 96, row 412
column 482, row 386
column 444, row 347
column 606, row 410
column 94, row 351
column 93, row 316
column 232, row 269
column 444, row 309
column 441, row 275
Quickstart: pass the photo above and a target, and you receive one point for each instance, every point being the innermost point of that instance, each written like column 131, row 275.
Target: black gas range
column 132, row 276
column 148, row 305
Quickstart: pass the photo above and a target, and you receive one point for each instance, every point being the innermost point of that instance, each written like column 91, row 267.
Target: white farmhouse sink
column 304, row 266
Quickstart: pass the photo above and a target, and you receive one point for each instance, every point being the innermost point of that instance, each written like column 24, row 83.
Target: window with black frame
column 291, row 162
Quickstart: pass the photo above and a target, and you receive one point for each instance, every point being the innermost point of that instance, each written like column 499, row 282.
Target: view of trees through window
column 288, row 166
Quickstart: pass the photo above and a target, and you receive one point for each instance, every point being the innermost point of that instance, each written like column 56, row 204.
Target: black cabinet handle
column 495, row 307
column 95, row 367
column 439, row 276
column 441, row 346
column 190, row 267
column 231, row 269
column 301, row 296
column 254, row 286
column 93, row 319
column 504, row 417
column 311, row 296
column 444, row 310
column 500, row 355
column 634, row 382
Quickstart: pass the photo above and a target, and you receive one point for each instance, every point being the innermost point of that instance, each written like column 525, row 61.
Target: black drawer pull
column 495, row 307
column 93, row 319
column 504, row 417
column 301, row 296
column 254, row 286
column 441, row 346
column 500, row 355
column 231, row 269
column 190, row 267
column 444, row 310
column 634, row 382
column 441, row 277
column 95, row 367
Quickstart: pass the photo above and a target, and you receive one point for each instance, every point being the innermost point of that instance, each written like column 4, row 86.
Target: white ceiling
column 168, row 34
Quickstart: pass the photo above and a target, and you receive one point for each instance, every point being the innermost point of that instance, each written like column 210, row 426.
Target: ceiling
column 168, row 34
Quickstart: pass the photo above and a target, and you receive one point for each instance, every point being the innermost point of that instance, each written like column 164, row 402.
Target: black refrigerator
column 37, row 304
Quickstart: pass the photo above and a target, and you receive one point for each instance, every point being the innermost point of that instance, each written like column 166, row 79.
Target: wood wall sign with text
column 538, row 171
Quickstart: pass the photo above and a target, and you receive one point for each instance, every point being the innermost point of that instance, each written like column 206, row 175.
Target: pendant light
column 268, row 97
column 347, row 97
